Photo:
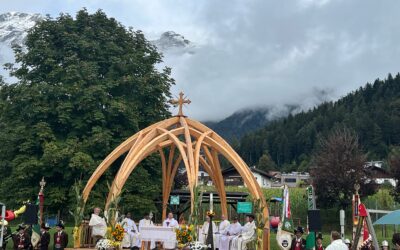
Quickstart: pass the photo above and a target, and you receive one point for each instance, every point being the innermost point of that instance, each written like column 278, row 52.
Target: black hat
column 20, row 226
column 59, row 224
column 44, row 226
column 235, row 218
column 299, row 229
column 250, row 216
column 319, row 236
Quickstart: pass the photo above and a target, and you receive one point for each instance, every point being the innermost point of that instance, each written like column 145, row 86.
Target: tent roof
column 390, row 219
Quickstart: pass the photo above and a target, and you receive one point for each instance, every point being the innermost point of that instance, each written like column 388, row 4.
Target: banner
column 287, row 222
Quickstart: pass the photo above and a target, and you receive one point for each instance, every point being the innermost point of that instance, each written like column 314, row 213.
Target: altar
column 166, row 235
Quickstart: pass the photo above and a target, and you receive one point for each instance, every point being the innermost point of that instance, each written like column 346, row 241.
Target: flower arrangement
column 184, row 235
column 105, row 244
column 117, row 233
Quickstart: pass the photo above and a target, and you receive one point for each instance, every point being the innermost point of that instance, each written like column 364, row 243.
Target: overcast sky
column 256, row 53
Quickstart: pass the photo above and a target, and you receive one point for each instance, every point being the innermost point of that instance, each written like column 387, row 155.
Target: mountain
column 372, row 111
column 246, row 120
column 171, row 41
column 14, row 27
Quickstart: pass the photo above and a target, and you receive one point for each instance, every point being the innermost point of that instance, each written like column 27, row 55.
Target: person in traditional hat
column 385, row 245
column 396, row 240
column 60, row 237
column 248, row 232
column 44, row 237
column 22, row 240
column 298, row 243
column 319, row 242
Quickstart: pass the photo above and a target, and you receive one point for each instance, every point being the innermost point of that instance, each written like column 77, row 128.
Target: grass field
column 274, row 245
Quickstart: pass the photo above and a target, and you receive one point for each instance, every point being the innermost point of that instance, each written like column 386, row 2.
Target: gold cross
column 42, row 184
column 182, row 100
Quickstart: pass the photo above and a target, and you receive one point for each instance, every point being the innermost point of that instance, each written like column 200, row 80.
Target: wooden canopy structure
column 178, row 140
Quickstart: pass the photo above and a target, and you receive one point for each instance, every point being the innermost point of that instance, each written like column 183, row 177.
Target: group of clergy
column 131, row 237
column 234, row 236
column 227, row 236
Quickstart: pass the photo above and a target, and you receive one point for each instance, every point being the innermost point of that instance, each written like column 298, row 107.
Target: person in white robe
column 229, row 233
column 172, row 223
column 146, row 222
column 131, row 237
column 98, row 224
column 247, row 234
column 221, row 228
column 204, row 230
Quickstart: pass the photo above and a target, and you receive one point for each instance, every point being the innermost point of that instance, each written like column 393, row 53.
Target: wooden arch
column 179, row 139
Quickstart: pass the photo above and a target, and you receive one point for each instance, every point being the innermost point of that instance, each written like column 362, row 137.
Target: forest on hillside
column 372, row 111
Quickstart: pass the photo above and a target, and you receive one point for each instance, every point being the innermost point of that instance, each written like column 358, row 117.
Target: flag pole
column 42, row 183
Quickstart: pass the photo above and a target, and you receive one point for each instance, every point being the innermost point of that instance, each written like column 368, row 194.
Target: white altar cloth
column 166, row 235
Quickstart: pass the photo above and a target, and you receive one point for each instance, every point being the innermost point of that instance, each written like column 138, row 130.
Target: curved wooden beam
column 169, row 133
column 117, row 152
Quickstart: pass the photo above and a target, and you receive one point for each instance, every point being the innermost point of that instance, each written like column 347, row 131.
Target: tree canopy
column 337, row 165
column 85, row 84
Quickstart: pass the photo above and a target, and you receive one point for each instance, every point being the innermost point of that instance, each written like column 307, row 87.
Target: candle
column 211, row 202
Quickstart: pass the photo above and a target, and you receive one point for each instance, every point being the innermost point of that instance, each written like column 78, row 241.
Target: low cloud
column 263, row 53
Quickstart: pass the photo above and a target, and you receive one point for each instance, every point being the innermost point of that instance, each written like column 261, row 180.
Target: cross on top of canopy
column 177, row 139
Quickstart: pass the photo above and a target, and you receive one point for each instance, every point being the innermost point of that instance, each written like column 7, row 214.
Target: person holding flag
column 36, row 229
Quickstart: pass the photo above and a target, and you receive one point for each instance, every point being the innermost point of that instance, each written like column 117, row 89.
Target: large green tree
column 337, row 165
column 84, row 85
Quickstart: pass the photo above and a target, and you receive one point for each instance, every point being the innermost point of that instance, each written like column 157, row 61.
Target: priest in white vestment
column 247, row 234
column 204, row 230
column 98, row 224
column 146, row 222
column 131, row 237
column 229, row 233
column 221, row 228
column 172, row 223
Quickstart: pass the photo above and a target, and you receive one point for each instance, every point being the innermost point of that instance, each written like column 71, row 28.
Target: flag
column 310, row 241
column 287, row 222
column 35, row 237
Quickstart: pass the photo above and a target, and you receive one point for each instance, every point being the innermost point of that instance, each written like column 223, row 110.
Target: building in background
column 233, row 178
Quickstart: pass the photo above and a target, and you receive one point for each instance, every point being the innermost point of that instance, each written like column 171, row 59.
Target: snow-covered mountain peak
column 15, row 25
column 173, row 41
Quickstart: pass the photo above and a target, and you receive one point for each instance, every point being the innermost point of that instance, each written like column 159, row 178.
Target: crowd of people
column 337, row 243
column 22, row 238
column 228, row 235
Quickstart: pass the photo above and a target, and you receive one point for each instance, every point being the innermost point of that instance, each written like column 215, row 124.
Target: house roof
column 253, row 169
